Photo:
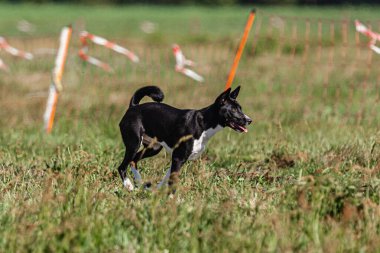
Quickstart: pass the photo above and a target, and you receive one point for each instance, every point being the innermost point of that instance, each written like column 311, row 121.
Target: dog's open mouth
column 237, row 127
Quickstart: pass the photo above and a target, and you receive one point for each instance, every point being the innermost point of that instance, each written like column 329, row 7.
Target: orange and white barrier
column 370, row 34
column 56, row 86
column 13, row 51
column 181, row 62
column 84, row 36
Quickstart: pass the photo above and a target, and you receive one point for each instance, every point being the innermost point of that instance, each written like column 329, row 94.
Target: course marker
column 181, row 62
column 56, row 86
column 13, row 51
column 239, row 52
column 84, row 36
column 370, row 34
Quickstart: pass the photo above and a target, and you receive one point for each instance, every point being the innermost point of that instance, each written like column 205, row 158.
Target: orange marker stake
column 239, row 52
column 56, row 86
column 51, row 107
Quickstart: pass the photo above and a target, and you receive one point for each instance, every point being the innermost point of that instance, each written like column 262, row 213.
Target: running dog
column 183, row 133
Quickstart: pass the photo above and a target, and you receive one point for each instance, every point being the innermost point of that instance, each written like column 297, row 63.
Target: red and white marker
column 13, row 51
column 181, row 62
column 84, row 36
column 370, row 34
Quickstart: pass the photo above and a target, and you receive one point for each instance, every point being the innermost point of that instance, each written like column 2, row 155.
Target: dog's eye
column 234, row 109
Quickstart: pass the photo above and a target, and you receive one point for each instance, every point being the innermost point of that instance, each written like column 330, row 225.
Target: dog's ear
column 223, row 97
column 235, row 93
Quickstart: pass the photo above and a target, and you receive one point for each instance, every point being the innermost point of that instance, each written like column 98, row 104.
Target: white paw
column 128, row 184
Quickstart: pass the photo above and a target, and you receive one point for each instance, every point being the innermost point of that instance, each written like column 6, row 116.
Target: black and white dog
column 183, row 133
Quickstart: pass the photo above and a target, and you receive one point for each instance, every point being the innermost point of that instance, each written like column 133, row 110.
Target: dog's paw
column 128, row 184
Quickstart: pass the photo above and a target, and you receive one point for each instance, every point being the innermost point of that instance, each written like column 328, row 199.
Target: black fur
column 168, row 124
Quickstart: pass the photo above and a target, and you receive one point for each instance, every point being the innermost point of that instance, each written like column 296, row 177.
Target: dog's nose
column 248, row 119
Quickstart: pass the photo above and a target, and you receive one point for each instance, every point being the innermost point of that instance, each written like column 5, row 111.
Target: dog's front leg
column 171, row 178
column 174, row 170
column 179, row 157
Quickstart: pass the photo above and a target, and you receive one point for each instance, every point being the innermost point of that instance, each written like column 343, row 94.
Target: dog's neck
column 210, row 116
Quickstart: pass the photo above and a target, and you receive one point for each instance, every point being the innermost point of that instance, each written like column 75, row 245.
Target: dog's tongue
column 243, row 129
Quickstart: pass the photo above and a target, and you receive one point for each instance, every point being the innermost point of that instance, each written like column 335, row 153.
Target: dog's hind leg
column 132, row 144
column 145, row 153
column 123, row 170
column 150, row 149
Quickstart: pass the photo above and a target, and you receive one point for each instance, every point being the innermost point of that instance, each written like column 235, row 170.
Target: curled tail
column 153, row 92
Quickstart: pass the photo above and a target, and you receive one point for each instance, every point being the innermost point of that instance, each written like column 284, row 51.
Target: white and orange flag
column 370, row 34
column 84, row 36
column 56, row 85
column 182, row 62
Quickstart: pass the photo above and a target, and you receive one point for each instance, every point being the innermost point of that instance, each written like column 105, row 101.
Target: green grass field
column 305, row 178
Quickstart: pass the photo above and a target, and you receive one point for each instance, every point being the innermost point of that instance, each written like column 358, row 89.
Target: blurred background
column 308, row 57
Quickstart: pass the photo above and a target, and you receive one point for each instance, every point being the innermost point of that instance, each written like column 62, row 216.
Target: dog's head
column 229, row 111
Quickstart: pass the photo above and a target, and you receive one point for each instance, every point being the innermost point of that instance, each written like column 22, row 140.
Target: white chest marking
column 199, row 145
